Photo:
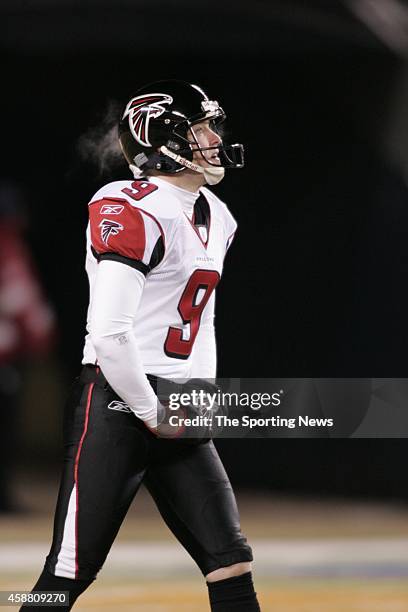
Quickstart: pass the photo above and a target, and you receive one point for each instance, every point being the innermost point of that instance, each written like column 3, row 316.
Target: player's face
column 205, row 136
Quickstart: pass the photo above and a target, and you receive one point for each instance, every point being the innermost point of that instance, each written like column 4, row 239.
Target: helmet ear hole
column 173, row 145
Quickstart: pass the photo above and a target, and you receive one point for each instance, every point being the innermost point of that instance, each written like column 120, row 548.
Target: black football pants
column 108, row 454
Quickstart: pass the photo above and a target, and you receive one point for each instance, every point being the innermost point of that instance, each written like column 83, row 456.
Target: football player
column 156, row 246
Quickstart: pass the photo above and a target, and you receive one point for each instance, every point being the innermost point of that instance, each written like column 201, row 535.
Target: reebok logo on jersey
column 109, row 228
column 111, row 209
column 120, row 406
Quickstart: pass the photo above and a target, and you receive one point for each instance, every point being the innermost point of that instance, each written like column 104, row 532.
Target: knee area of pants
column 222, row 573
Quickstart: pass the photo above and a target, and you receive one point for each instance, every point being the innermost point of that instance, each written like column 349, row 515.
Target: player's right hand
column 171, row 425
column 166, row 428
column 190, row 424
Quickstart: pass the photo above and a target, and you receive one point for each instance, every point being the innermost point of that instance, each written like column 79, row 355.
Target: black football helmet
column 155, row 130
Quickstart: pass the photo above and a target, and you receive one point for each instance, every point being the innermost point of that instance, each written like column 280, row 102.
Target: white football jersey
column 178, row 240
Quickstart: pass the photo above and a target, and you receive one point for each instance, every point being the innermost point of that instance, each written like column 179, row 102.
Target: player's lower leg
column 49, row 582
column 231, row 589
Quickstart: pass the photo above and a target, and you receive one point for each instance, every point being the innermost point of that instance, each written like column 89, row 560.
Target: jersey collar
column 186, row 198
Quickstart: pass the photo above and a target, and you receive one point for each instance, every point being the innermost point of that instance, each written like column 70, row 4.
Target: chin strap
column 137, row 172
column 212, row 174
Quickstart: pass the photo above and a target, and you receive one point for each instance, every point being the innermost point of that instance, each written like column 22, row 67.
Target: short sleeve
column 121, row 232
column 229, row 240
column 230, row 229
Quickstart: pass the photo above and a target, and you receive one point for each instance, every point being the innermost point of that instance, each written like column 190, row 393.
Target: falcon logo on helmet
column 109, row 228
column 140, row 110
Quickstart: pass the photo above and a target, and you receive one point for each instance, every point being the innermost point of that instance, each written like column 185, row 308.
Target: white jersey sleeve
column 117, row 293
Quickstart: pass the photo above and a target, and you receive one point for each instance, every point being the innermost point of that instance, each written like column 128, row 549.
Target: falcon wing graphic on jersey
column 140, row 109
column 109, row 228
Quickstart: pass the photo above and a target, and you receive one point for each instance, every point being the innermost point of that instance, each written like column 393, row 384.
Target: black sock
column 233, row 594
column 49, row 582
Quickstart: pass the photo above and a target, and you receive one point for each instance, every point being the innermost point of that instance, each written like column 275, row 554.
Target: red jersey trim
column 124, row 202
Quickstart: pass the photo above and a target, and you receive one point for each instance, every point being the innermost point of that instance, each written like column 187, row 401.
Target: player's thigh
column 195, row 497
column 104, row 462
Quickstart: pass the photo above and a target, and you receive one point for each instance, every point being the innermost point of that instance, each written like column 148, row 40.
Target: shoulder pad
column 121, row 228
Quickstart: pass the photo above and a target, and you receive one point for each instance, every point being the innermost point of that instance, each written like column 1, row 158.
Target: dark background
column 315, row 284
